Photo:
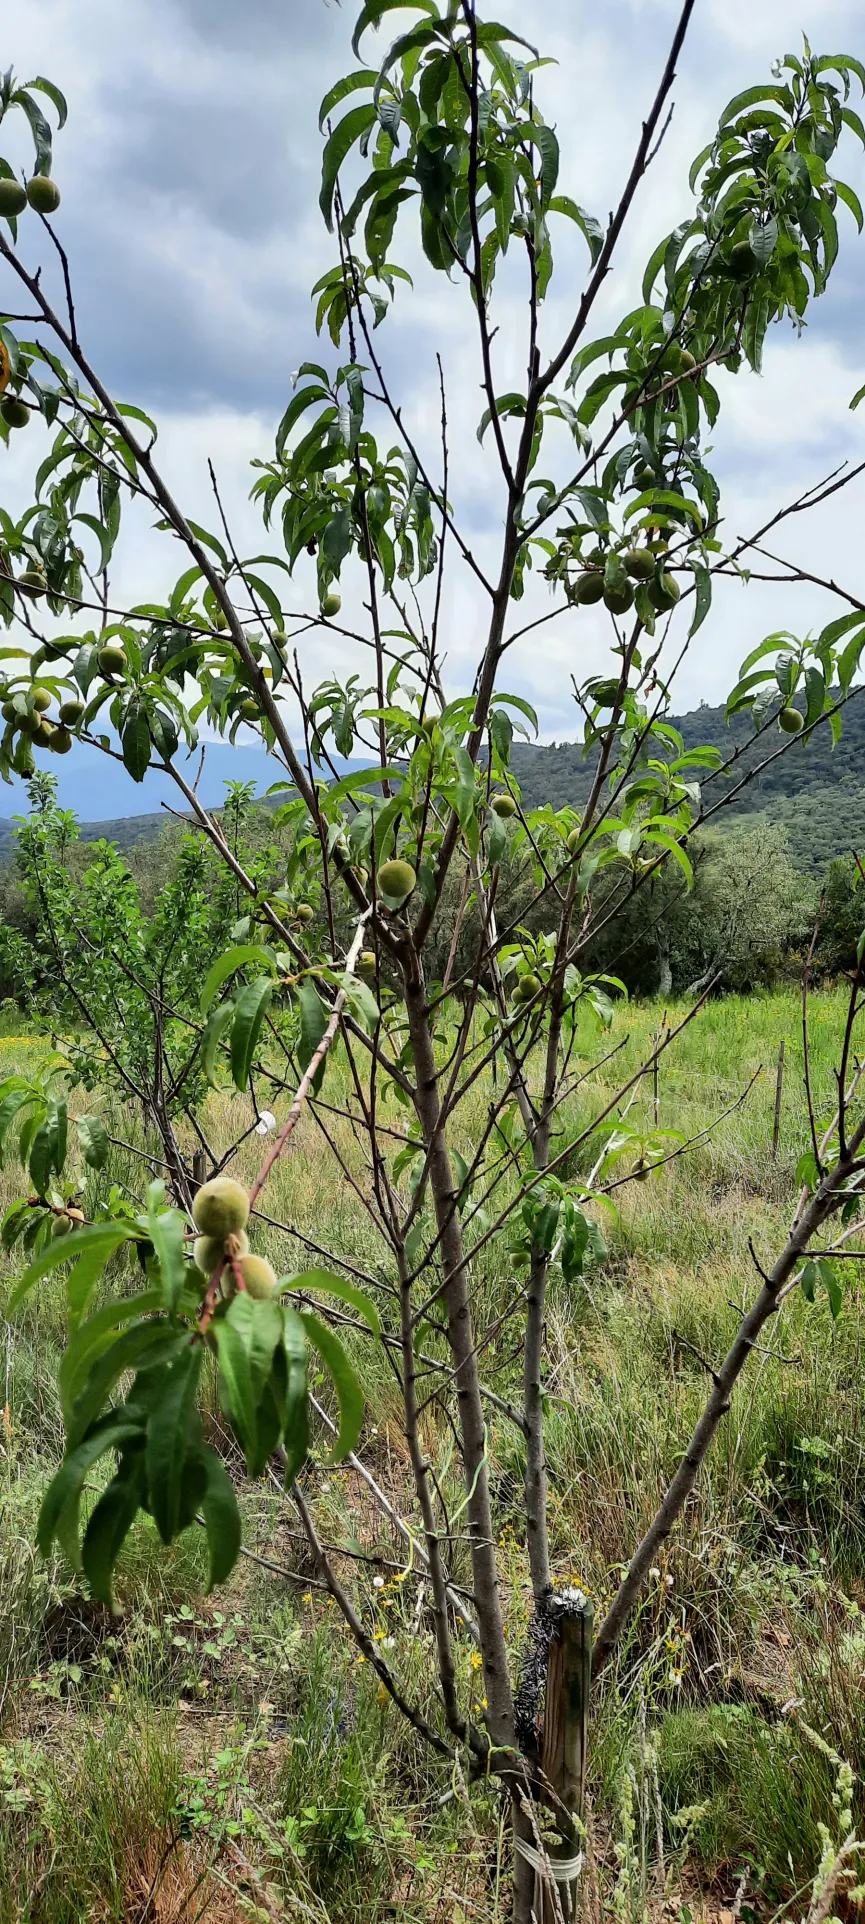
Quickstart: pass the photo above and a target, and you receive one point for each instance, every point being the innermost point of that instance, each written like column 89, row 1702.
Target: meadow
column 224, row 1757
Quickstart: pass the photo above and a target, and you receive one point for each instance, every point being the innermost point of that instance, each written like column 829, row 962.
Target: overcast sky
column 189, row 171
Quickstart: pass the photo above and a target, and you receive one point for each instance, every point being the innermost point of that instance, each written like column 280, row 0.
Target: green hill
column 817, row 792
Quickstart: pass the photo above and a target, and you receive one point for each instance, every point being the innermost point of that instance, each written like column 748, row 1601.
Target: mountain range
column 815, row 789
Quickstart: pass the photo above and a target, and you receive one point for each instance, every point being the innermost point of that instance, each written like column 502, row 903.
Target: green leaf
column 673, row 848
column 59, row 100
column 333, row 1285
column 48, row 1148
column 214, row 1030
column 91, row 1337
column 314, row 1018
column 144, row 1346
column 246, row 1340
column 93, row 1137
column 296, row 1427
column 108, row 1527
column 373, row 11
column 832, row 1286
column 225, row 966
column 166, row 1235
column 346, row 1383
column 168, row 1438
column 135, row 741
column 250, row 1010
column 64, row 1490
column 361, row 1002
column 347, row 131
column 363, row 77
column 850, row 200
column 336, row 540
column 751, row 97
column 221, row 1519
column 702, row 597
column 548, row 147
column 98, row 1240
column 103, row 536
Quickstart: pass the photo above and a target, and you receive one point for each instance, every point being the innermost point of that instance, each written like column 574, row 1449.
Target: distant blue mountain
column 100, row 790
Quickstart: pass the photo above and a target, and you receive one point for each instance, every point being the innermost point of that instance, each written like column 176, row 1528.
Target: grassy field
column 229, row 1757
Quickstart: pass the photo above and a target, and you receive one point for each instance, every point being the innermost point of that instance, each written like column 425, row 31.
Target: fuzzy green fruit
column 15, row 412
column 61, row 741
column 790, row 721
column 366, row 961
column 618, row 597
column 219, row 620
column 112, row 658
column 430, row 720
column 573, row 840
column 742, row 262
column 259, row 1277
column 43, row 194
column 687, row 362
column 13, row 198
column 221, row 1207
column 9, row 711
column 71, row 712
column 504, row 806
column 331, row 605
column 208, row 1251
column 60, row 1225
column 527, row 988
column 664, row 592
column 588, row 588
column 32, row 582
column 645, row 477
column 396, row 879
column 42, row 699
column 43, row 732
column 250, row 710
column 640, row 563
column 304, row 913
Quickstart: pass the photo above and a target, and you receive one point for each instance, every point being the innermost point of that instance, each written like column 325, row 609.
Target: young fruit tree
column 337, row 990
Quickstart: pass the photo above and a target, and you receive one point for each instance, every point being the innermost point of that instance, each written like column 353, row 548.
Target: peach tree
column 599, row 466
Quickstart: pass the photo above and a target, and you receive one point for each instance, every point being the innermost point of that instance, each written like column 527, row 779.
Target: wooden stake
column 779, row 1084
column 565, row 1740
column 199, row 1167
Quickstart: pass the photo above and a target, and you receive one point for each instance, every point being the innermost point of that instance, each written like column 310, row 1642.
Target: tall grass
column 751, row 1605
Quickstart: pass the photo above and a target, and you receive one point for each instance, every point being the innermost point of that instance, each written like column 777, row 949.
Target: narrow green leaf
column 93, row 1138
column 222, row 1520
column 166, row 1235
column 98, row 1239
column 333, row 1285
column 109, row 1526
column 347, row 131
column 226, row 964
column 64, row 1490
column 91, row 1337
column 168, row 1437
column 144, row 1346
column 250, row 1010
column 296, row 1428
column 346, row 1383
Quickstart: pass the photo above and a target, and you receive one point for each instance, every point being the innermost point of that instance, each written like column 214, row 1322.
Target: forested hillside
column 816, row 792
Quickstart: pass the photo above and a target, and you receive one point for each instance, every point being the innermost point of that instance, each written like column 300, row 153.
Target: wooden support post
column 199, row 1167
column 565, row 1741
column 779, row 1084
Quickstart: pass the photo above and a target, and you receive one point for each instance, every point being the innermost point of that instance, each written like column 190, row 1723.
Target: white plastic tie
column 562, row 1870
